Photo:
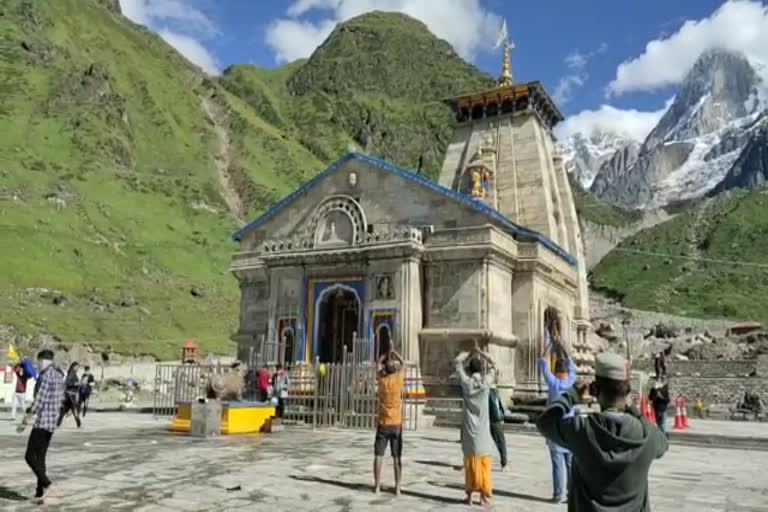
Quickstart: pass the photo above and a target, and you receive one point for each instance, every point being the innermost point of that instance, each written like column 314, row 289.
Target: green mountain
column 708, row 261
column 124, row 169
column 376, row 83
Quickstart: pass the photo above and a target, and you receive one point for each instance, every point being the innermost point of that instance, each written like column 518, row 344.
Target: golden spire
column 506, row 69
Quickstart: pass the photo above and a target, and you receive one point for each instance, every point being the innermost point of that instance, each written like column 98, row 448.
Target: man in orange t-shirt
column 390, row 427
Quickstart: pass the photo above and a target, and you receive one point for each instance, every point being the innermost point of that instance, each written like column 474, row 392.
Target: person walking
column 612, row 449
column 496, row 418
column 49, row 392
column 557, row 384
column 71, row 389
column 389, row 429
column 280, row 384
column 87, row 381
column 659, row 397
column 476, row 441
column 20, row 392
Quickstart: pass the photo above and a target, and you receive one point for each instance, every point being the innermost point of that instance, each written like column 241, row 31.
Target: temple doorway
column 338, row 320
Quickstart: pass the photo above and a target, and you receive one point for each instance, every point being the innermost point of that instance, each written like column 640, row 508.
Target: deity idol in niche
column 476, row 178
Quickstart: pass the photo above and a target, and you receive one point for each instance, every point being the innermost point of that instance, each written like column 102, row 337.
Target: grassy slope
column 732, row 227
column 107, row 116
column 591, row 208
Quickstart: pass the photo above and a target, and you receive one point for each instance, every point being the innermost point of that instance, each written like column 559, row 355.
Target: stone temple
column 366, row 252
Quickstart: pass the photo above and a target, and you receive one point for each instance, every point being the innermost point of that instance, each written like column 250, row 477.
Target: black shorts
column 391, row 435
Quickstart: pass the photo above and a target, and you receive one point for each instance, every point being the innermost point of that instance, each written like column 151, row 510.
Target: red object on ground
column 679, row 413
column 685, row 411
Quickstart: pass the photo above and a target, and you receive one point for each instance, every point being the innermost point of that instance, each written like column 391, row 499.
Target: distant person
column 699, row 406
column 476, row 441
column 558, row 383
column 389, row 429
column 87, row 380
column 280, row 384
column 496, row 418
column 71, row 389
column 49, row 392
column 659, row 397
column 612, row 449
column 20, row 392
column 262, row 383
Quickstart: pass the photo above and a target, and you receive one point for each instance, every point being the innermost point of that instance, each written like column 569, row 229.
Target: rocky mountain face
column 585, row 154
column 751, row 167
column 697, row 141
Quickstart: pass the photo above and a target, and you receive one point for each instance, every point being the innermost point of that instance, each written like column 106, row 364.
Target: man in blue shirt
column 558, row 383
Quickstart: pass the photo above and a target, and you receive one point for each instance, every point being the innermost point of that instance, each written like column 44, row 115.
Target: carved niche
column 338, row 221
column 384, row 287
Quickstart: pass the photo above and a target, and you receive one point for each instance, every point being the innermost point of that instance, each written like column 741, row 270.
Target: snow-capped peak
column 585, row 154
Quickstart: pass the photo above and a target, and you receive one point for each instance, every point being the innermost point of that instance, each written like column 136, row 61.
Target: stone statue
column 228, row 386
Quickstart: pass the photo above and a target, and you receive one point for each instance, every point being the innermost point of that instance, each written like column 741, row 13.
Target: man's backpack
column 495, row 407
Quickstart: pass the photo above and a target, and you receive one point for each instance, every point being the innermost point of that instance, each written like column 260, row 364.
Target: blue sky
column 593, row 57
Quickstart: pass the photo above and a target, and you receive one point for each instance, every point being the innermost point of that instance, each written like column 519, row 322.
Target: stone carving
column 337, row 229
column 384, row 287
column 336, row 208
column 228, row 386
column 453, row 294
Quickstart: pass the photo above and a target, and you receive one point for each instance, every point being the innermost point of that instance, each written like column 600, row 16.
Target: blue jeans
column 561, row 470
column 661, row 420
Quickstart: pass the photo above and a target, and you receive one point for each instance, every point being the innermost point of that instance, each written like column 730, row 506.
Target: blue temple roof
column 421, row 180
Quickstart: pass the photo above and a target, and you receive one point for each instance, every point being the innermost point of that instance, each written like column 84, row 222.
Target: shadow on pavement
column 439, row 440
column 10, row 494
column 496, row 492
column 439, row 464
column 367, row 488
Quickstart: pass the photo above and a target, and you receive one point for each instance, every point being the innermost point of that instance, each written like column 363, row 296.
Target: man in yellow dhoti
column 476, row 441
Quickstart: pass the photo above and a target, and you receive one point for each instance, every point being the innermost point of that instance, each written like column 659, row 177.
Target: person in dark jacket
column 612, row 450
column 659, row 397
column 71, row 390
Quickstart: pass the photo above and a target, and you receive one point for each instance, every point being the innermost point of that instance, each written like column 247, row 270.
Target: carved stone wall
column 453, row 295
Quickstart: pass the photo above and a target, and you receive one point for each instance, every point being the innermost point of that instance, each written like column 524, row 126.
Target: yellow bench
column 236, row 417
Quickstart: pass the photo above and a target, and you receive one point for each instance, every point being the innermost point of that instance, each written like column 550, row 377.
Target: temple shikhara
column 366, row 252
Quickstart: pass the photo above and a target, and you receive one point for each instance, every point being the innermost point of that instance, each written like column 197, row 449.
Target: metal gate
column 345, row 395
column 320, row 395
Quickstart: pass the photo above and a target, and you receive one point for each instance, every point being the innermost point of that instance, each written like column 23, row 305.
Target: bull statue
column 228, row 386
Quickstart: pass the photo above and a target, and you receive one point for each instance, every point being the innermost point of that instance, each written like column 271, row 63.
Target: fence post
column 316, row 380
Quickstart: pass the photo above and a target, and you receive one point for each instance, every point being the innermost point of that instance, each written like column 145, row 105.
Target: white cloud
column 463, row 23
column 299, row 7
column 180, row 25
column 577, row 74
column 738, row 25
column 631, row 123
column 192, row 50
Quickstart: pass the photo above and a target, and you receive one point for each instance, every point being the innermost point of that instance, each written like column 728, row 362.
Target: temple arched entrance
column 338, row 320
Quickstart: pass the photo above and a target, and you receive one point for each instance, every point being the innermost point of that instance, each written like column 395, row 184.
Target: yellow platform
column 236, row 417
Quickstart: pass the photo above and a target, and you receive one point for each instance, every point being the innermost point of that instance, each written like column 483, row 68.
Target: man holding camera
column 612, row 450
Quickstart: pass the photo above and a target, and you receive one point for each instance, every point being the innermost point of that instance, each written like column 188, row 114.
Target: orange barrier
column 679, row 413
column 685, row 411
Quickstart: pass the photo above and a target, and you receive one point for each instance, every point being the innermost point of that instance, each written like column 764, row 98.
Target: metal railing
column 320, row 395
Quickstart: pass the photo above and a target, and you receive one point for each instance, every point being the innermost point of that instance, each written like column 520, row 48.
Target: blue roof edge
column 418, row 178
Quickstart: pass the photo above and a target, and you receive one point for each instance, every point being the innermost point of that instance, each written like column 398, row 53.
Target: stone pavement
column 130, row 462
